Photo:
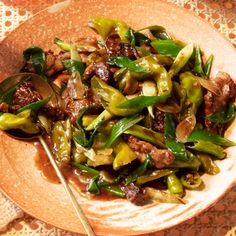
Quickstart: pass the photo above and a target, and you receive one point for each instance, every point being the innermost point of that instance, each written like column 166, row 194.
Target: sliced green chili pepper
column 198, row 62
column 210, row 148
column 104, row 26
column 111, row 98
column 208, row 164
column 61, row 139
column 204, row 135
column 167, row 47
column 162, row 78
column 67, row 46
column 193, row 89
column 35, row 106
column 125, row 62
column 178, row 149
column 180, row 92
column 147, row 135
column 124, row 155
column 37, row 56
column 159, row 32
column 181, row 60
column 104, row 116
column 157, row 174
column 164, row 83
column 100, row 157
column 174, row 185
column 139, row 171
column 22, row 121
column 208, row 65
column 191, row 180
column 192, row 163
column 149, row 89
column 78, row 154
column 223, row 116
column 120, row 127
column 153, row 70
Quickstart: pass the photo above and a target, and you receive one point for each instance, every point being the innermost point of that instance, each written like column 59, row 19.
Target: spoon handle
column 77, row 207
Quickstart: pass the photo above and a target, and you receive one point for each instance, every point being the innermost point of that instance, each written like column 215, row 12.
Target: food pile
column 135, row 113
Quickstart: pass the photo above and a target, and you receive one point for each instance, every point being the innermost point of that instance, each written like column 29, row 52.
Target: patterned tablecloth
column 218, row 220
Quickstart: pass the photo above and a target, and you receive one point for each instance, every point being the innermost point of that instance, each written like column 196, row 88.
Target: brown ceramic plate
column 19, row 178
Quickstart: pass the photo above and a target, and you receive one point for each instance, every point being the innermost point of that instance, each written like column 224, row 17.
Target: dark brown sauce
column 72, row 175
column 44, row 166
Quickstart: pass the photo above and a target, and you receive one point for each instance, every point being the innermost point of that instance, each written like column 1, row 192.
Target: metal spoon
column 45, row 90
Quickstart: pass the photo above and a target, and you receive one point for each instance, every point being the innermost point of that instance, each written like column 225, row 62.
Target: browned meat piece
column 158, row 122
column 161, row 157
column 214, row 103
column 100, row 69
column 73, row 107
column 4, row 107
column 54, row 113
column 54, row 63
column 25, row 94
column 115, row 47
column 135, row 194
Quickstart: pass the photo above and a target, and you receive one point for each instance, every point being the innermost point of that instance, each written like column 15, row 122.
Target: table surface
column 218, row 220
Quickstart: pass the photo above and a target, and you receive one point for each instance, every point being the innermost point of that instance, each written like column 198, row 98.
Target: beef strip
column 25, row 94
column 135, row 194
column 158, row 123
column 54, row 63
column 161, row 157
column 100, row 69
column 54, row 112
column 214, row 103
column 116, row 48
column 73, row 107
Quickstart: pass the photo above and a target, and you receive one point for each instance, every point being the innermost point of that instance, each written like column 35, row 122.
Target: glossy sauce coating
column 77, row 179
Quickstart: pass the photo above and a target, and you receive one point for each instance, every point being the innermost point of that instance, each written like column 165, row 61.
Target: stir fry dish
column 134, row 113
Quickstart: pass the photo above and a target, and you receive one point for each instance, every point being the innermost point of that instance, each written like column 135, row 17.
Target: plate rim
column 186, row 11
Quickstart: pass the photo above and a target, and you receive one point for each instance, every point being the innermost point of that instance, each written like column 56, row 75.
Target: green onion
column 120, row 127
column 125, row 62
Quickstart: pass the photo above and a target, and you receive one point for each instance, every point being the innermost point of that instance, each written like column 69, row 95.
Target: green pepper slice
column 191, row 180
